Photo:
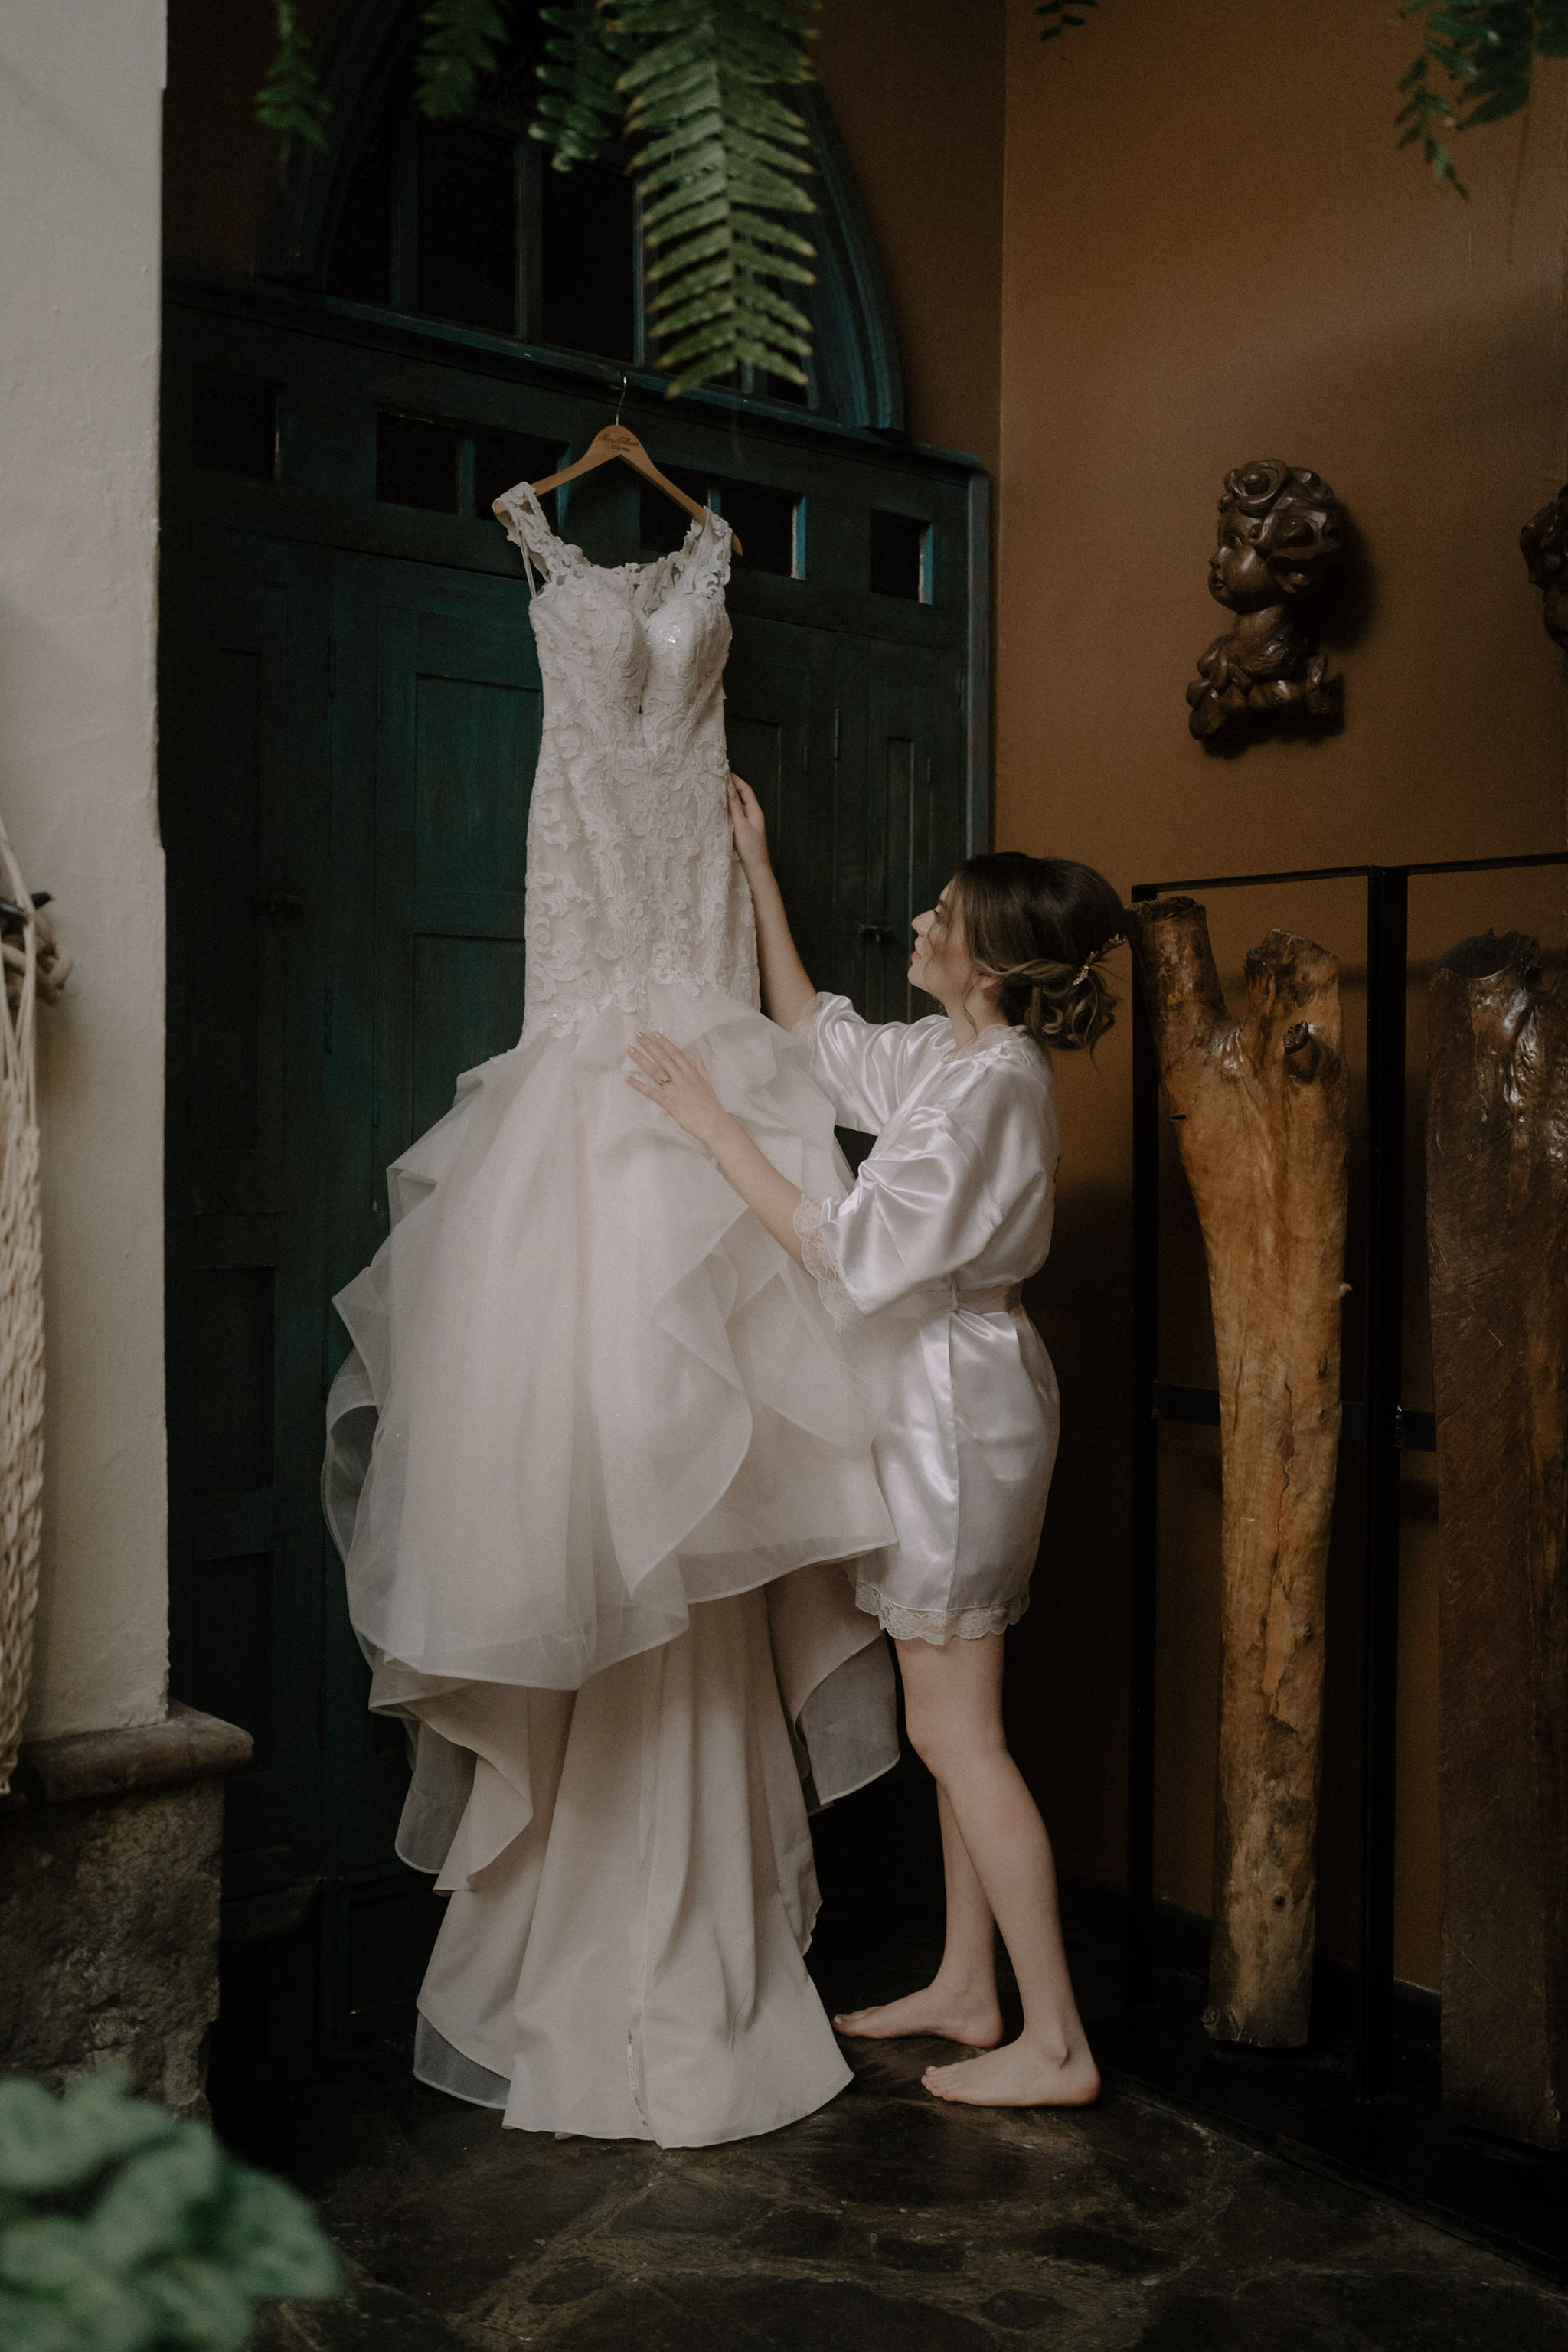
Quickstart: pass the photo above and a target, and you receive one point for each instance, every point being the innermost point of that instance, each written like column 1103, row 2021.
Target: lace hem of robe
column 817, row 1259
column 938, row 1626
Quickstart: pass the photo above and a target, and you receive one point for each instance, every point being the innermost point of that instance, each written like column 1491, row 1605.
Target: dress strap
column 541, row 551
column 707, row 566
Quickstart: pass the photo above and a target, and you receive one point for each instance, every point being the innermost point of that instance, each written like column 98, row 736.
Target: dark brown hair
column 1040, row 925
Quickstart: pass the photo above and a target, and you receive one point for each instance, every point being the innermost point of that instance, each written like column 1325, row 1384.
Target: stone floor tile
column 568, row 2283
column 1022, row 2313
column 1124, row 2252
column 921, row 2156
column 883, row 2223
column 895, row 2253
column 674, row 2204
column 799, row 2233
column 789, row 2315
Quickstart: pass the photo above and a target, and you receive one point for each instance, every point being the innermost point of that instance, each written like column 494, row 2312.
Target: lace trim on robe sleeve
column 818, row 1262
column 805, row 1029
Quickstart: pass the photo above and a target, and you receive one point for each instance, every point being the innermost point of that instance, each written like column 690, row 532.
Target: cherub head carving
column 1282, row 532
column 1544, row 544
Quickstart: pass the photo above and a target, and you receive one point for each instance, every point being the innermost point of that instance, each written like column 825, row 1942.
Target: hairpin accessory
column 1086, row 967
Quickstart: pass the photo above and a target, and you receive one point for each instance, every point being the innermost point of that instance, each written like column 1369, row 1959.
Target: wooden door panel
column 456, row 742
column 899, row 804
column 236, row 941
column 467, row 1006
column 245, row 726
column 779, row 725
column 438, row 736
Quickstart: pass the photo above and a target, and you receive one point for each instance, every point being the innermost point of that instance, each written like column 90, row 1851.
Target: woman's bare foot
column 1022, row 2075
column 973, row 2018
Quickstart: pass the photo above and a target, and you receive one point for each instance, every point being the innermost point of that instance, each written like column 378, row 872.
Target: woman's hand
column 750, row 828
column 679, row 1086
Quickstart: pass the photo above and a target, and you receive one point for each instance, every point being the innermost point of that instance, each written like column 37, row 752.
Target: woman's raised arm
column 787, row 988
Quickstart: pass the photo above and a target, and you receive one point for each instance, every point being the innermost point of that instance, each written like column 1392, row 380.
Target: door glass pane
column 361, row 263
column 467, row 227
column 662, row 525
column 415, row 462
column 764, row 519
column 899, row 557
column 501, row 460
column 233, row 425
column 587, row 277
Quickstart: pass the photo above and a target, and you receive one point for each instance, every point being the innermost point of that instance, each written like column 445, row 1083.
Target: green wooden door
column 437, row 734
column 902, row 834
column 246, row 731
column 351, row 713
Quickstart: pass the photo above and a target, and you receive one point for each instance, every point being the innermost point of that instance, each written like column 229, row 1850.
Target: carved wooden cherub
column 1543, row 542
column 1282, row 532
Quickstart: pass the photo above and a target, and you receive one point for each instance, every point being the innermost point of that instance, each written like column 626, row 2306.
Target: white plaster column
column 81, row 137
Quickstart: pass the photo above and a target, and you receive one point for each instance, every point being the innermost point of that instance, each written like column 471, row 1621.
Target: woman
column 951, row 1214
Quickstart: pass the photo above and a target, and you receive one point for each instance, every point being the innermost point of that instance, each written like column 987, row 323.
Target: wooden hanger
column 619, row 441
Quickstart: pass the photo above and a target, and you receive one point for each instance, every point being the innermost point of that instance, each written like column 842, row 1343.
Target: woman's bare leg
column 959, row 2003
column 953, row 1700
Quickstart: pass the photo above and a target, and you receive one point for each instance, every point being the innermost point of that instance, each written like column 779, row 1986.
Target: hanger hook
column 622, row 402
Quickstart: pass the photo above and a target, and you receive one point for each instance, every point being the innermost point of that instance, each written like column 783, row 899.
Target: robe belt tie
column 1000, row 1299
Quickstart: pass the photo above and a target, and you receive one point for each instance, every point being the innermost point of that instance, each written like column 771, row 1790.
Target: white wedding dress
column 597, row 1456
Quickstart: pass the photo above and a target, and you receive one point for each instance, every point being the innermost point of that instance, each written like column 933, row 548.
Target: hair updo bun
column 1041, row 926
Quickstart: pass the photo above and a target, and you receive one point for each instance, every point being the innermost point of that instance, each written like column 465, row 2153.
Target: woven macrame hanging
column 21, row 1316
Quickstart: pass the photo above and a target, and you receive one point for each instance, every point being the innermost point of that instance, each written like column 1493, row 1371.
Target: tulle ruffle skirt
column 600, row 1392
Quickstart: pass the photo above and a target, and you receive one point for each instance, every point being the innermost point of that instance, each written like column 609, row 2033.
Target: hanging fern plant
column 1486, row 52
column 721, row 160
column 1475, row 65
column 719, row 156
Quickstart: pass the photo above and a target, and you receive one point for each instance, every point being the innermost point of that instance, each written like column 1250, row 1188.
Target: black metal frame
column 1380, row 1423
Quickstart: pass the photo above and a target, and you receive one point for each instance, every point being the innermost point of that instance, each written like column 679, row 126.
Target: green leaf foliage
column 1061, row 14
column 1486, row 49
column 125, row 2230
column 456, row 55
column 291, row 99
column 581, row 107
column 720, row 157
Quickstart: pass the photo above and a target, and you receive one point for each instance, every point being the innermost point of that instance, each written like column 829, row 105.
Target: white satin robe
column 951, row 1214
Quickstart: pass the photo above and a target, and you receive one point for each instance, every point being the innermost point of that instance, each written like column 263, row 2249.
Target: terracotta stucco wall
column 918, row 99
column 1215, row 252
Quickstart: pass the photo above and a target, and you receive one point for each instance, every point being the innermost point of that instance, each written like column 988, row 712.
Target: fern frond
column 1487, row 51
column 718, row 154
column 1062, row 13
column 581, row 106
column 456, row 55
column 291, row 98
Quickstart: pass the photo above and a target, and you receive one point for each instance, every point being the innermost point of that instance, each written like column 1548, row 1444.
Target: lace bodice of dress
column 632, row 876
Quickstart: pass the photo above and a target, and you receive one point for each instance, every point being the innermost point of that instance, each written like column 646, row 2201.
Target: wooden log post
column 1260, row 1107
column 1496, row 1184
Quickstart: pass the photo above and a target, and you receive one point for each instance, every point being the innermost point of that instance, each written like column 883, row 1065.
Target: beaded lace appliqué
column 632, row 876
